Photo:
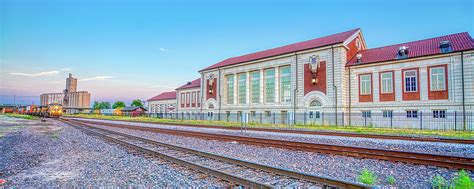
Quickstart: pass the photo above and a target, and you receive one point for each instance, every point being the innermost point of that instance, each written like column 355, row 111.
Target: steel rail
column 389, row 155
column 327, row 182
column 298, row 131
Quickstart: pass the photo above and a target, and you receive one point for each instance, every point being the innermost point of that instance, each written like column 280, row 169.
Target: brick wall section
column 352, row 51
column 385, row 97
column 321, row 77
column 411, row 95
column 438, row 95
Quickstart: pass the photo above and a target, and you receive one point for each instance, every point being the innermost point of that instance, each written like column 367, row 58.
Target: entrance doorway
column 315, row 112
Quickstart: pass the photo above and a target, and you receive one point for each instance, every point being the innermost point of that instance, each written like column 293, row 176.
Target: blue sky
column 128, row 49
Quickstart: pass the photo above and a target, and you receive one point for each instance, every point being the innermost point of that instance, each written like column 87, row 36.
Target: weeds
column 55, row 135
column 391, row 180
column 367, row 177
column 462, row 181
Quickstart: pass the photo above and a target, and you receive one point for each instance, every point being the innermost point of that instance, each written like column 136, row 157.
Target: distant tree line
column 119, row 104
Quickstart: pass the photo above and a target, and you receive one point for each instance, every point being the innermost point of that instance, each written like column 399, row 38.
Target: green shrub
column 438, row 182
column 462, row 181
column 391, row 180
column 367, row 177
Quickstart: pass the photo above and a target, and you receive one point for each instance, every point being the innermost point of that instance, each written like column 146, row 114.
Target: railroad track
column 238, row 172
column 389, row 155
column 326, row 133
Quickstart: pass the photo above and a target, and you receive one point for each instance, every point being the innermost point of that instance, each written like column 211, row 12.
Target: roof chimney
column 359, row 58
column 445, row 46
column 402, row 52
column 189, row 83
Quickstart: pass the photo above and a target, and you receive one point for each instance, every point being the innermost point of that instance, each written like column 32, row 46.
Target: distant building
column 162, row 103
column 73, row 101
column 189, row 97
column 133, row 111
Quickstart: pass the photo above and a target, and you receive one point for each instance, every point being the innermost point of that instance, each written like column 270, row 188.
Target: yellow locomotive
column 54, row 110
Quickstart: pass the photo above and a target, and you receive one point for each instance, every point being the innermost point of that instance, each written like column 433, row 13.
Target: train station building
column 338, row 80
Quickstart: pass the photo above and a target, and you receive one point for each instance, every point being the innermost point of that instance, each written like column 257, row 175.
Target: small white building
column 163, row 103
column 189, row 98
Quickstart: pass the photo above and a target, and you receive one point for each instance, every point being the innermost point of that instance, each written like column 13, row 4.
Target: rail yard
column 217, row 157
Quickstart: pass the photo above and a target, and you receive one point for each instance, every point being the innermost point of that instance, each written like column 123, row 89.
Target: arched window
column 211, row 106
column 314, row 103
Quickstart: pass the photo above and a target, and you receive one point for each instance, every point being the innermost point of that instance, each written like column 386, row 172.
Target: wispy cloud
column 47, row 73
column 163, row 50
column 96, row 78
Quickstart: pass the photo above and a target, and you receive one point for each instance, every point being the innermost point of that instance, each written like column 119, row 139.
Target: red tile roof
column 192, row 84
column 164, row 96
column 305, row 45
column 459, row 42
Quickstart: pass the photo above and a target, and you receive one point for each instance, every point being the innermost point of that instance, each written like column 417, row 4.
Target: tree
column 101, row 105
column 137, row 103
column 118, row 104
column 96, row 105
column 105, row 105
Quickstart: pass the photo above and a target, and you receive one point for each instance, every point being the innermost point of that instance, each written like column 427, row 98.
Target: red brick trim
column 321, row 77
column 367, row 97
column 384, row 97
column 407, row 96
column 441, row 94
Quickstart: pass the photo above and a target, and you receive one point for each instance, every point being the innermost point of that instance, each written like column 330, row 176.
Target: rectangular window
column 387, row 82
column 253, row 113
column 285, row 84
column 366, row 114
column 193, row 97
column 199, row 98
column 242, row 86
column 230, row 89
column 412, row 113
column 365, row 84
column 410, row 81
column 270, row 85
column 187, row 100
column 387, row 113
column 268, row 113
column 439, row 113
column 437, row 79
column 183, row 100
column 255, row 86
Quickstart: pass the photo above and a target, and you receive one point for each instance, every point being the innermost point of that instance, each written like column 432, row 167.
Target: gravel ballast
column 339, row 167
column 451, row 149
column 46, row 155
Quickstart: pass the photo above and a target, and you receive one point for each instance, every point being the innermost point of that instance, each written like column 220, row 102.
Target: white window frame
column 368, row 83
column 438, row 76
column 387, row 113
column 405, row 80
column 412, row 113
column 386, row 83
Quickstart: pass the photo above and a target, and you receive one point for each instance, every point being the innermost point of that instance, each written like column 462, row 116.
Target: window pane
column 365, row 84
column 437, row 78
column 242, row 88
column 230, row 89
column 255, row 85
column 410, row 81
column 270, row 85
column 387, row 82
column 285, row 84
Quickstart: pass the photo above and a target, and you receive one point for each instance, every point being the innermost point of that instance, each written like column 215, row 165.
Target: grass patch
column 367, row 177
column 350, row 129
column 461, row 181
column 21, row 116
column 391, row 180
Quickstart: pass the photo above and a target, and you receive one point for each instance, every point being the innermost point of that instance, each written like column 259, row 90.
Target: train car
column 54, row 110
column 30, row 110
